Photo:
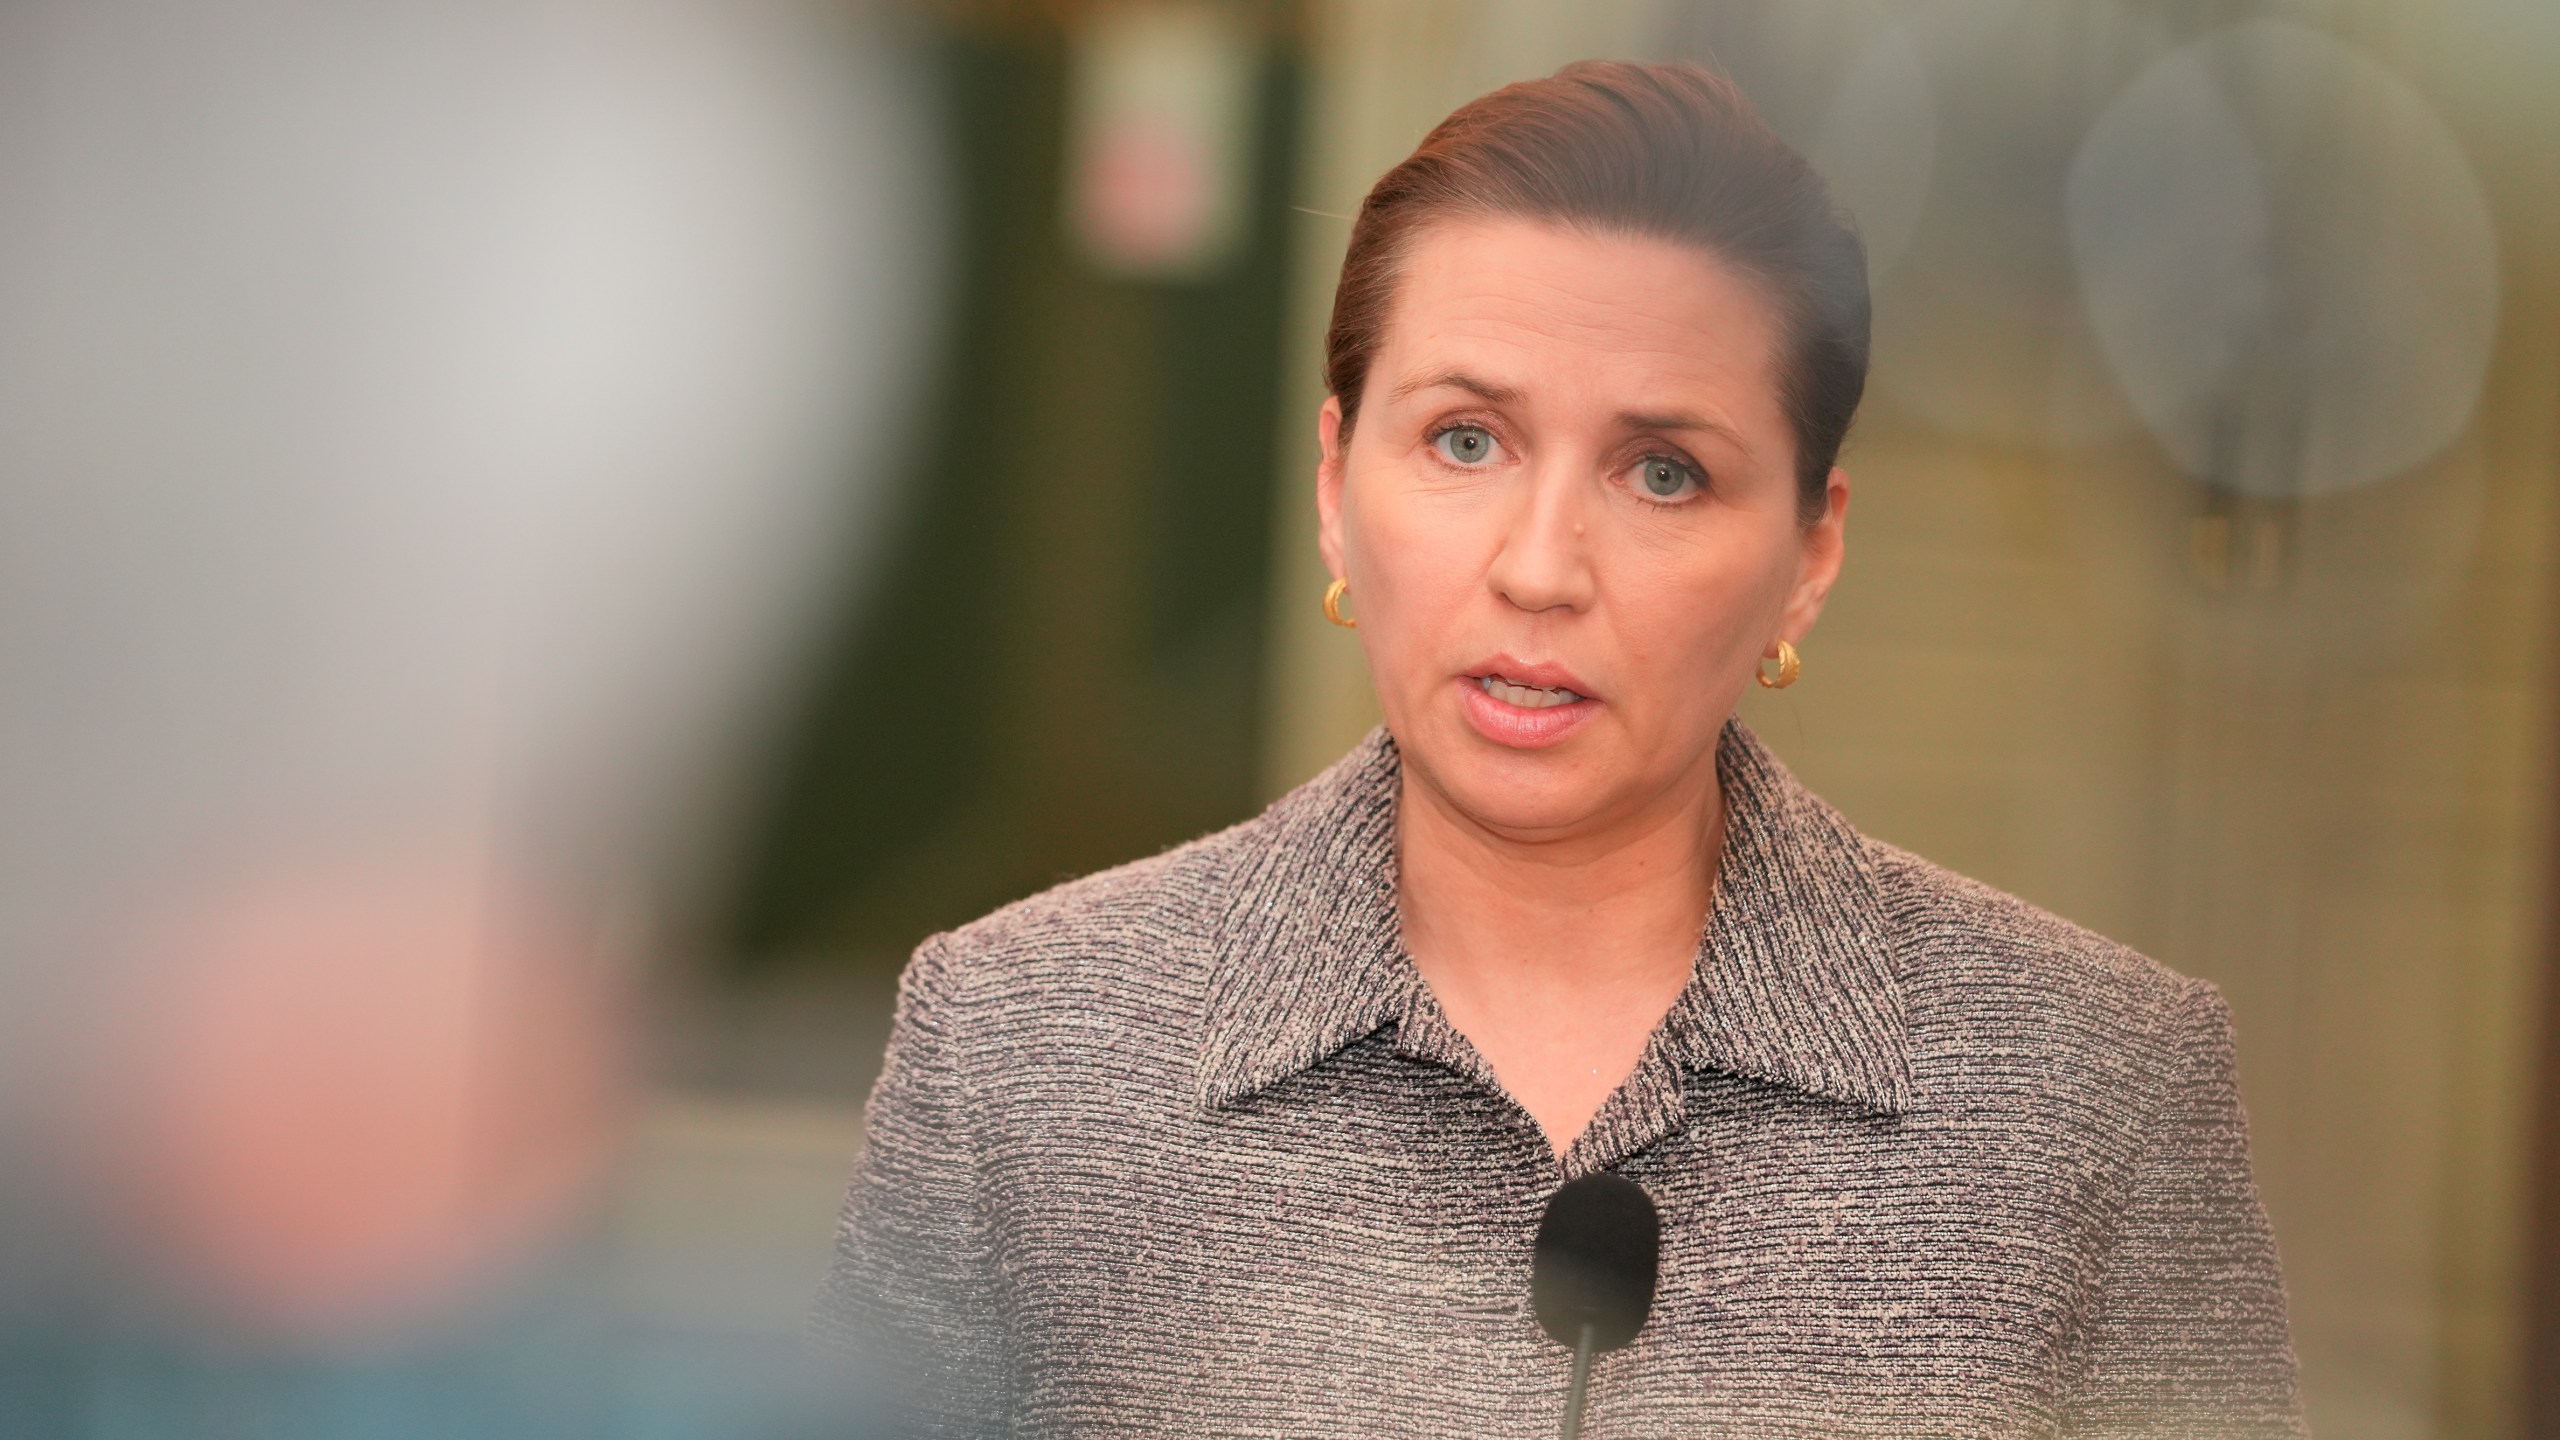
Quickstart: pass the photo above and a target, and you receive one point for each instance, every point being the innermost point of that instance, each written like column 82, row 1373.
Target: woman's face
column 1567, row 512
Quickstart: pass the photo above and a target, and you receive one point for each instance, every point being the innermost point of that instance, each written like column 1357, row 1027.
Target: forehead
column 1558, row 311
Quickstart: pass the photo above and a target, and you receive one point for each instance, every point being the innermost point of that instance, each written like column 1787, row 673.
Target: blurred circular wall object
column 1877, row 139
column 2286, row 260
column 1946, row 126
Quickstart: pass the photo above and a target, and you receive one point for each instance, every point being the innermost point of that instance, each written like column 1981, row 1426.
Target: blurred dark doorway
column 1059, row 668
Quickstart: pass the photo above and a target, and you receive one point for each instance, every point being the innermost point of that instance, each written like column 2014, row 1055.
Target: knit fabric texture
column 1187, row 1148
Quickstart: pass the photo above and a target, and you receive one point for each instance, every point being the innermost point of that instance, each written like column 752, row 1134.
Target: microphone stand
column 1581, row 1387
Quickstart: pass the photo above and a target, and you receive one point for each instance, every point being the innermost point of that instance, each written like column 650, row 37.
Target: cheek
column 1415, row 559
column 1692, row 614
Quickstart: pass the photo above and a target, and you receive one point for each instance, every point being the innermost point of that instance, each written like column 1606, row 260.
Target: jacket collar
column 1796, row 977
column 1313, row 956
column 1795, row 985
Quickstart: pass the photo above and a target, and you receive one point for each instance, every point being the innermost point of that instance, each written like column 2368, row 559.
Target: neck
column 1503, row 919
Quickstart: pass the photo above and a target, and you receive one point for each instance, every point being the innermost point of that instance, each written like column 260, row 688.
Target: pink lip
column 1518, row 726
column 1546, row 674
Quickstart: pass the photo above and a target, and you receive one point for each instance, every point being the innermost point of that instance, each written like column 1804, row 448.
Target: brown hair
column 1670, row 151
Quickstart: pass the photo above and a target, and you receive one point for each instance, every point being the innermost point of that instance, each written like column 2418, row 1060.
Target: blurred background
column 544, row 545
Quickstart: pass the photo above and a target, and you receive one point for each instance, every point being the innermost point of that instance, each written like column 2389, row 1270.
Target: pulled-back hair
column 1668, row 151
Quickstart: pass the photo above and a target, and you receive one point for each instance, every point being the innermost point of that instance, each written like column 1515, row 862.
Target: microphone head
column 1599, row 1249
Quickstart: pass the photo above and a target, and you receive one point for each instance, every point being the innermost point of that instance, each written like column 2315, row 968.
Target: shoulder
column 1158, row 925
column 1995, row 987
column 1088, row 990
column 1148, row 925
column 1073, row 1005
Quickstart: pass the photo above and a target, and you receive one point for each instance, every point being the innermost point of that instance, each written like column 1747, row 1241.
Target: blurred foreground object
column 350, row 1093
column 423, row 430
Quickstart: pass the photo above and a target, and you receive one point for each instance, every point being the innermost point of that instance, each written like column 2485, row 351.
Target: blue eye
column 1660, row 477
column 1464, row 444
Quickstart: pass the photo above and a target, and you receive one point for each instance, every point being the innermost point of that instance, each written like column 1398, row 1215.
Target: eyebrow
column 1491, row 393
column 1683, row 420
column 1457, row 380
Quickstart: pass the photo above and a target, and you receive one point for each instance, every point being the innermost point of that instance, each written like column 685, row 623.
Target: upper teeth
column 1534, row 697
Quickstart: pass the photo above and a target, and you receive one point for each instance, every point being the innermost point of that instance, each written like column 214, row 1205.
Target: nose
column 1545, row 560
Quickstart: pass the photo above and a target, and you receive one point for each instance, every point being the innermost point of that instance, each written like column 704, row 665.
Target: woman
column 1254, row 1137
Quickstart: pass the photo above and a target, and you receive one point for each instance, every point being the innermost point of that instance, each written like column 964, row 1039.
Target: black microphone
column 1599, row 1248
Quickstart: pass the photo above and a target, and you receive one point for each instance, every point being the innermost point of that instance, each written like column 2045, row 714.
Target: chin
column 1509, row 788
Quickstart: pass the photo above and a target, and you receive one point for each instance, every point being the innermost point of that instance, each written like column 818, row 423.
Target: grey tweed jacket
column 1186, row 1148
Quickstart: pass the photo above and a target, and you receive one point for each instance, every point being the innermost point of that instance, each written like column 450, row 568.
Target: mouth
column 1525, row 695
column 1531, row 685
column 1523, row 706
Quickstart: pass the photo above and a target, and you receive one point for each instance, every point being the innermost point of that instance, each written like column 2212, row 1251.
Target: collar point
column 1219, row 1092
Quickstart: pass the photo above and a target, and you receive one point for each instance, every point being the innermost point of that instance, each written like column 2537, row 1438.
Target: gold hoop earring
column 1333, row 594
column 1790, row 665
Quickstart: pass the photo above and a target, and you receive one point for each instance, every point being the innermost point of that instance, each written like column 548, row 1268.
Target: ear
column 1331, row 442
column 1822, row 547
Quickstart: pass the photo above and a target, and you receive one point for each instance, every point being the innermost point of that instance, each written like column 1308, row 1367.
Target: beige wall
column 2328, row 796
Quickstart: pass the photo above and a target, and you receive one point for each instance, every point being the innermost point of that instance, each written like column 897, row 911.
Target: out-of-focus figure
column 423, row 428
